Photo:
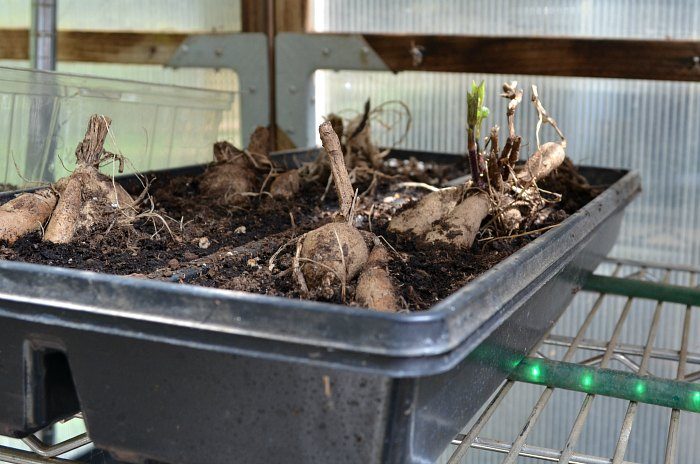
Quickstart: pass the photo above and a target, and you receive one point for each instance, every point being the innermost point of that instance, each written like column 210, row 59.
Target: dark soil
column 215, row 246
column 149, row 246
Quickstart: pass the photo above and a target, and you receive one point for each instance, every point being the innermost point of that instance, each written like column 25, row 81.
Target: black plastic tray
column 184, row 374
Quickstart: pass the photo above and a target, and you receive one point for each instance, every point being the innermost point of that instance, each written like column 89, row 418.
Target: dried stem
column 494, row 163
column 515, row 95
column 511, row 150
column 363, row 122
column 544, row 118
column 515, row 150
column 493, row 137
column 343, row 186
column 89, row 151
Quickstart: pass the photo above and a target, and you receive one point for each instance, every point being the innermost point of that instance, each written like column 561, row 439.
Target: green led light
column 640, row 388
column 535, row 372
column 587, row 380
column 695, row 398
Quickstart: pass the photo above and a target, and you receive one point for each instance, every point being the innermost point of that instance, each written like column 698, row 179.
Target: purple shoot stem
column 473, row 157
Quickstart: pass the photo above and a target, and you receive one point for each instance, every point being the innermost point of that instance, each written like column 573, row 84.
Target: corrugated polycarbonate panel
column 151, row 15
column 653, row 127
column 132, row 15
column 677, row 19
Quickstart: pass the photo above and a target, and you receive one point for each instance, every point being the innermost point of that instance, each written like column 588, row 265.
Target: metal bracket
column 244, row 53
column 297, row 57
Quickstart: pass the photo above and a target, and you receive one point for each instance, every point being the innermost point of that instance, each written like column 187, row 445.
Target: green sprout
column 476, row 113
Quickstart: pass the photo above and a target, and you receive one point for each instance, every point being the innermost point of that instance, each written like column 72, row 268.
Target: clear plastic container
column 43, row 117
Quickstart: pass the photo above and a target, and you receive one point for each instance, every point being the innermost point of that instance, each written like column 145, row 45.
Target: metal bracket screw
column 417, row 52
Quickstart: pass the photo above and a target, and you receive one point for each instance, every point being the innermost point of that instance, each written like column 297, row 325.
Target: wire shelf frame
column 630, row 360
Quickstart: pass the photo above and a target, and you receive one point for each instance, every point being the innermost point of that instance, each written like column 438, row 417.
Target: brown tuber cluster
column 74, row 204
column 502, row 189
column 26, row 213
column 236, row 175
column 375, row 287
column 333, row 255
column 362, row 158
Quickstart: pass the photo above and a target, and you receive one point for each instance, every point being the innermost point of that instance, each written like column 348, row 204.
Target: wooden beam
column 99, row 47
column 292, row 15
column 556, row 56
column 118, row 47
column 254, row 16
column 14, row 44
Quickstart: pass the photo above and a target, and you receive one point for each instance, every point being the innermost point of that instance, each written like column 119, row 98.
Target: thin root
column 423, row 185
column 296, row 269
column 522, row 234
column 342, row 260
column 273, row 258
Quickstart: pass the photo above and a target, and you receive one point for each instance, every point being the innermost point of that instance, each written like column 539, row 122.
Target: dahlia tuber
column 375, row 288
column 506, row 191
column 336, row 251
column 87, row 196
column 237, row 174
column 26, row 213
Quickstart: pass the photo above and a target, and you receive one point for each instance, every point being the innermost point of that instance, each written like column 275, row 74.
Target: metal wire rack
column 582, row 365
column 34, row 449
column 651, row 371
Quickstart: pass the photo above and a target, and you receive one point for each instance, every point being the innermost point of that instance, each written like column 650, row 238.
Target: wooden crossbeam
column 674, row 60
column 98, row 46
column 550, row 56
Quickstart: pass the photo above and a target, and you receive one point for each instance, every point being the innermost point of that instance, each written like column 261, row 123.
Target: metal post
column 41, row 143
column 42, row 39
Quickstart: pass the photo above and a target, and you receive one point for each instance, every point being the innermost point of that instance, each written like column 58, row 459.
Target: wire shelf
column 34, row 449
column 568, row 360
column 638, row 283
